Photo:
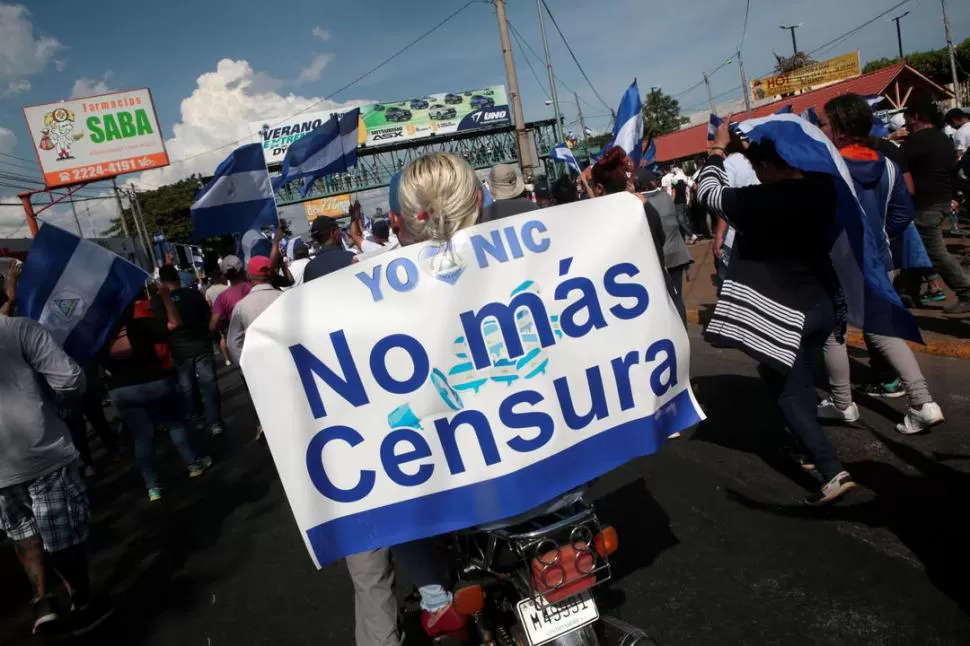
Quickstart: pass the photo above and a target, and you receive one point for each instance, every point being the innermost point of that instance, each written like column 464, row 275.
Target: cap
column 259, row 266
column 393, row 202
column 230, row 263
column 323, row 226
column 505, row 182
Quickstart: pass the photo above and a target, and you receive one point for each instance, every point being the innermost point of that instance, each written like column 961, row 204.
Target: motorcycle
column 533, row 583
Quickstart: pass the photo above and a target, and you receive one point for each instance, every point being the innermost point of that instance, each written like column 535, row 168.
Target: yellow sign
column 835, row 69
column 334, row 206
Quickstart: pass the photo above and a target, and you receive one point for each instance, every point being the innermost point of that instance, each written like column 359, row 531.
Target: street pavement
column 714, row 545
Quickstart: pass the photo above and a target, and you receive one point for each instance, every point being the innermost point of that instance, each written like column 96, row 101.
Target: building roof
column 692, row 141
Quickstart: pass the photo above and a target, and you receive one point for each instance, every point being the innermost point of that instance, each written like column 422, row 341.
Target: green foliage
column 935, row 64
column 165, row 209
column 598, row 141
column 661, row 114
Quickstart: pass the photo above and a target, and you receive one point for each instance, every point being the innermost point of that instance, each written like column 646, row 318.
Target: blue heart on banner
column 443, row 261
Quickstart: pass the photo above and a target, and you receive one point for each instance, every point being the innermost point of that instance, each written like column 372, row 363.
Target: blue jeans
column 200, row 371
column 142, row 406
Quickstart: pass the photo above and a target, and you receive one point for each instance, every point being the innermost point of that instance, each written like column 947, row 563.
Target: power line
column 528, row 62
column 744, row 30
column 573, row 55
column 539, row 58
column 348, row 85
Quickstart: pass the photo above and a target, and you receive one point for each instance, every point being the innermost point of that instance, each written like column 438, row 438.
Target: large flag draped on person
column 238, row 198
column 331, row 148
column 76, row 289
column 628, row 129
column 562, row 153
column 873, row 303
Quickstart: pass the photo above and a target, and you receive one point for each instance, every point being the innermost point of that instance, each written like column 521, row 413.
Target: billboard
column 387, row 123
column 96, row 137
column 334, row 206
column 835, row 69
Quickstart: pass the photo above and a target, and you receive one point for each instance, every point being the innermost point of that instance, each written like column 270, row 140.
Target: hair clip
column 421, row 217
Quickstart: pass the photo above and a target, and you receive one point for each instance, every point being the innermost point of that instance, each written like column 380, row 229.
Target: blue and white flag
column 562, row 153
column 712, row 125
column 810, row 116
column 628, row 130
column 331, row 148
column 649, row 159
column 785, row 110
column 238, row 198
column 77, row 290
column 874, row 305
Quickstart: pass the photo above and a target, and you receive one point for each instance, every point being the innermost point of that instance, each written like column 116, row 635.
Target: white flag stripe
column 76, row 288
column 629, row 135
column 247, row 186
column 327, row 155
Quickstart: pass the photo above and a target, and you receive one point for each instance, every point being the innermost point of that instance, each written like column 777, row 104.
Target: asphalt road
column 715, row 548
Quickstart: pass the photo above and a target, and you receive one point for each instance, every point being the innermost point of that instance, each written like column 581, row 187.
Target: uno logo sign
column 486, row 116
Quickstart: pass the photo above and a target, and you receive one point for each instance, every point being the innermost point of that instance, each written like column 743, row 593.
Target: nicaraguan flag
column 649, row 159
column 874, row 305
column 76, row 289
column 238, row 198
column 628, row 130
column 562, row 153
column 810, row 116
column 331, row 148
column 785, row 110
column 712, row 125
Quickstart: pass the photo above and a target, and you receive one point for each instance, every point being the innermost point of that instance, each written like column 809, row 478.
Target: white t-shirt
column 297, row 267
column 739, row 173
column 961, row 139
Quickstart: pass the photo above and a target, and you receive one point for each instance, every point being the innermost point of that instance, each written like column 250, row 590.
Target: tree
column 661, row 114
column 166, row 209
column 786, row 64
column 934, row 64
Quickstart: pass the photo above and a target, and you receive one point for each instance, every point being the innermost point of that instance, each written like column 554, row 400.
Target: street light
column 899, row 33
column 792, row 29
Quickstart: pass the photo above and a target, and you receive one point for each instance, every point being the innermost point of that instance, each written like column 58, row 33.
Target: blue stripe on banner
column 119, row 289
column 242, row 160
column 502, row 497
column 49, row 254
column 235, row 218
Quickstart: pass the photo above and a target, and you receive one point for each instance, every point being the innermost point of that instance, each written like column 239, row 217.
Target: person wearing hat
column 301, row 258
column 261, row 296
column 331, row 255
column 225, row 303
column 508, row 194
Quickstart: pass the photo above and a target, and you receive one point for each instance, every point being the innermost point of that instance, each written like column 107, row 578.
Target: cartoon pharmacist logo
column 58, row 133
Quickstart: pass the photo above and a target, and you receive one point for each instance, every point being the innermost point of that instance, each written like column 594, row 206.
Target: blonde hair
column 439, row 195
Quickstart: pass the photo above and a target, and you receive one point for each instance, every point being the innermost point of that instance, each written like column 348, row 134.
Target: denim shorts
column 54, row 505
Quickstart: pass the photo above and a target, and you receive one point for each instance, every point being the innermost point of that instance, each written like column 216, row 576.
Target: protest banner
column 439, row 387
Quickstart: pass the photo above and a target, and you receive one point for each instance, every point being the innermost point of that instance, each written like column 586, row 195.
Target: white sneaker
column 917, row 421
column 674, row 436
column 828, row 410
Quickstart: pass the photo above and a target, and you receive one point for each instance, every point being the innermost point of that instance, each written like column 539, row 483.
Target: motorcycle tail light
column 606, row 541
column 563, row 572
column 469, row 599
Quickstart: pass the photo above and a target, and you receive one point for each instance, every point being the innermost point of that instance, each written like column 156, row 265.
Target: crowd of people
column 780, row 303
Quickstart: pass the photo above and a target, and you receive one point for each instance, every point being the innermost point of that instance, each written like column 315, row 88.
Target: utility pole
column 792, row 28
column 521, row 135
column 899, row 33
column 139, row 220
column 710, row 96
column 582, row 124
column 953, row 60
column 121, row 209
column 744, row 85
column 77, row 220
column 552, row 76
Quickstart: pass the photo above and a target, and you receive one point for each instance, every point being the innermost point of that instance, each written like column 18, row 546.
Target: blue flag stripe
column 212, row 221
column 243, row 159
column 43, row 270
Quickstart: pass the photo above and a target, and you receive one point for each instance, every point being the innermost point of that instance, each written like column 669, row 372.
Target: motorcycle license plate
column 558, row 619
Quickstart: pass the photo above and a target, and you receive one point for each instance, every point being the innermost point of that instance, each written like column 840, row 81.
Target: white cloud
column 315, row 69
column 8, row 141
column 89, row 87
column 95, row 215
column 217, row 113
column 321, row 33
column 22, row 54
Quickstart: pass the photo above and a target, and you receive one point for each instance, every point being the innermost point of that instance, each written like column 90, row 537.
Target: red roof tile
column 693, row 141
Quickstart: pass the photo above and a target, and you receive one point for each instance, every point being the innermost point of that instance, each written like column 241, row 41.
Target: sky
column 213, row 66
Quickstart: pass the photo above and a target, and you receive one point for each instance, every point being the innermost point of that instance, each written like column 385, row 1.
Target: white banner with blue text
column 438, row 387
